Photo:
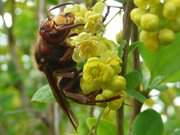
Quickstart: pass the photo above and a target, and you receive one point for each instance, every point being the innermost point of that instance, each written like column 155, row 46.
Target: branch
column 136, row 104
column 127, row 33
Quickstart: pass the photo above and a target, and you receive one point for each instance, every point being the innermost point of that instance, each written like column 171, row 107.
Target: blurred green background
column 19, row 79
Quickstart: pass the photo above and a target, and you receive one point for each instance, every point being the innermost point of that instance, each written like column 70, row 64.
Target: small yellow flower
column 93, row 23
column 96, row 71
column 88, row 45
column 107, row 93
column 76, row 56
column 115, row 63
column 88, row 49
column 88, row 87
column 77, row 10
column 118, row 83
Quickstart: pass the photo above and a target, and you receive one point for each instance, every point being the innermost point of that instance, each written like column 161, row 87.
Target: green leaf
column 44, row 95
column 162, row 87
column 104, row 127
column 148, row 122
column 174, row 77
column 91, row 122
column 146, row 76
column 137, row 95
column 82, row 128
column 99, row 7
column 165, row 62
column 133, row 80
column 156, row 82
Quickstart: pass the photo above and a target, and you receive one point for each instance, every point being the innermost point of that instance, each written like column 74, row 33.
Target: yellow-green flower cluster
column 95, row 73
column 92, row 18
column 97, row 56
column 103, row 75
column 88, row 45
column 158, row 21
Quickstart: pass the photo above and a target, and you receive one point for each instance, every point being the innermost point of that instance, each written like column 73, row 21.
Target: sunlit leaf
column 164, row 63
column 82, row 128
column 43, row 94
column 99, row 7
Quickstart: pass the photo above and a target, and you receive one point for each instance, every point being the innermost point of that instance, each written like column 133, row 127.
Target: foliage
column 103, row 124
column 156, row 62
column 44, row 94
column 150, row 121
column 159, row 71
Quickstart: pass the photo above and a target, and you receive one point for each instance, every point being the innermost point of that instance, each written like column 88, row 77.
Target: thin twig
column 112, row 18
column 112, row 6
